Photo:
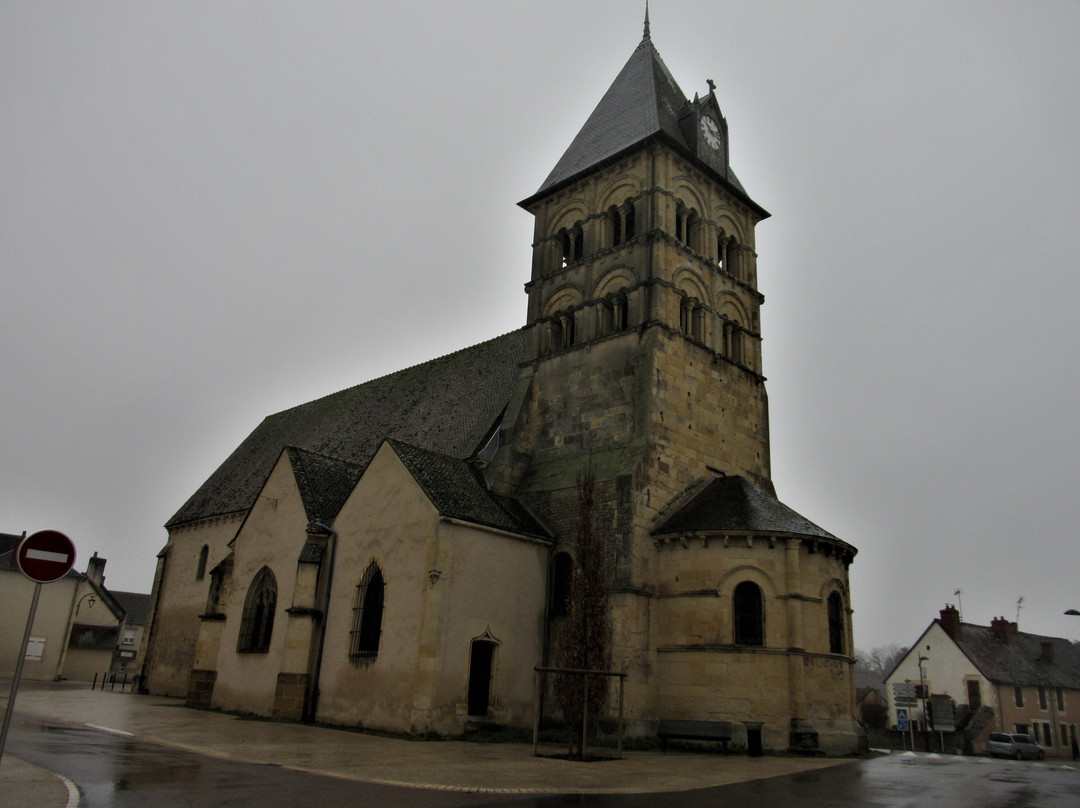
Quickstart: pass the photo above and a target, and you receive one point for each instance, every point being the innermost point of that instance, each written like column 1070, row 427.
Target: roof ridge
column 399, row 371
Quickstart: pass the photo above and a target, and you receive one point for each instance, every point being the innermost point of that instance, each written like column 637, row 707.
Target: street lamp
column 922, row 691
column 93, row 600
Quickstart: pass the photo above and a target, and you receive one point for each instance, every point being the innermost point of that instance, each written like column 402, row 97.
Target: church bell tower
column 643, row 368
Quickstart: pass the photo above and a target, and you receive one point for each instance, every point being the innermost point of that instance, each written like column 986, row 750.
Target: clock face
column 710, row 131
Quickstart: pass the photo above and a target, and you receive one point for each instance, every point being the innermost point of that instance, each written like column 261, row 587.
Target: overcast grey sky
column 212, row 211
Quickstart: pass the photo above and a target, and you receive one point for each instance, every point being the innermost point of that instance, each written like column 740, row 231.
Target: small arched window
column 749, row 613
column 572, row 244
column 733, row 256
column 562, row 574
column 200, row 571
column 367, row 615
column 623, row 222
column 257, row 621
column 836, row 623
column 629, row 220
column 616, row 226
column 733, row 341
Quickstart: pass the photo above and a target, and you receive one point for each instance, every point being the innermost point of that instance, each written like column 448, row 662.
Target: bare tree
column 583, row 641
column 872, row 667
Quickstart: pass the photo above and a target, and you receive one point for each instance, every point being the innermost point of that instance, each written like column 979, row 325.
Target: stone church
column 396, row 555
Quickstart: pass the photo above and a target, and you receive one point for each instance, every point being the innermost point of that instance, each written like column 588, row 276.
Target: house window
column 974, row 695
column 367, row 615
column 200, row 572
column 1042, row 698
column 1064, row 735
column 1060, row 699
column 1047, row 736
column 1020, row 729
column 836, row 624
column 749, row 613
column 562, row 573
column 257, row 622
column 1018, row 697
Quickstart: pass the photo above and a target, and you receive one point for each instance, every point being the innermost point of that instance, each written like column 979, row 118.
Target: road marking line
column 111, row 730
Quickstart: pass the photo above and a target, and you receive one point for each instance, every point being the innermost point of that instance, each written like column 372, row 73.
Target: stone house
column 1028, row 682
column 78, row 626
column 396, row 554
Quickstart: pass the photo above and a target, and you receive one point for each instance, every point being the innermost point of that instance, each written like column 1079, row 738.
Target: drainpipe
column 323, row 605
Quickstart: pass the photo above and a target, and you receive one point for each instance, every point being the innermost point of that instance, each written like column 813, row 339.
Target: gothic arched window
column 367, row 615
column 200, row 571
column 836, row 623
column 257, row 621
column 749, row 612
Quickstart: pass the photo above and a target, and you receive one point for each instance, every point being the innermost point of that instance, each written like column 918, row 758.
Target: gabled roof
column 1020, row 661
column 447, row 405
column 734, row 504
column 457, row 491
column 643, row 102
column 324, row 482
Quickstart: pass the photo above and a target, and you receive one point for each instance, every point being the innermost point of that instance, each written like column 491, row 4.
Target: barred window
column 257, row 622
column 367, row 615
column 748, row 607
column 836, row 624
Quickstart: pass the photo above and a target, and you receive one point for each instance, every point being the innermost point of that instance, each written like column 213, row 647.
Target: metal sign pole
column 19, row 666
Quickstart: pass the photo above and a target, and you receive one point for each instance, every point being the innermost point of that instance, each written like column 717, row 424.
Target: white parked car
column 1014, row 745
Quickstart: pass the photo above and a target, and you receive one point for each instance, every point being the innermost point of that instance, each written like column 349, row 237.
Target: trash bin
column 753, row 737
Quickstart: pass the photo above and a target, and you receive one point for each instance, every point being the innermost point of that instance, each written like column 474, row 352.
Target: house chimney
column 950, row 621
column 1001, row 627
column 1047, row 654
column 95, row 569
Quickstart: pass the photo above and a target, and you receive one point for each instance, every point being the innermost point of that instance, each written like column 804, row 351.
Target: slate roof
column 1020, row 661
column 456, row 489
column 8, row 544
column 324, row 482
column 644, row 101
column 446, row 405
column 136, row 606
column 734, row 504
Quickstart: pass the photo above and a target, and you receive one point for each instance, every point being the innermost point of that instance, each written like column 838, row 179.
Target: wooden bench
column 688, row 730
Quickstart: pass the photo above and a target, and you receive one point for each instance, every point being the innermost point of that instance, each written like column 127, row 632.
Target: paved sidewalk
column 451, row 765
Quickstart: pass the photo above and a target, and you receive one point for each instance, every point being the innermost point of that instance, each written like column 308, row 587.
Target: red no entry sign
column 46, row 556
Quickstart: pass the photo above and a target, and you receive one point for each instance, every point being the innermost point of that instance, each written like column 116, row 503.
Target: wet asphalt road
column 114, row 771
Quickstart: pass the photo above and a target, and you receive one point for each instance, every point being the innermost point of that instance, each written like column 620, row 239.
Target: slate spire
column 644, row 100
